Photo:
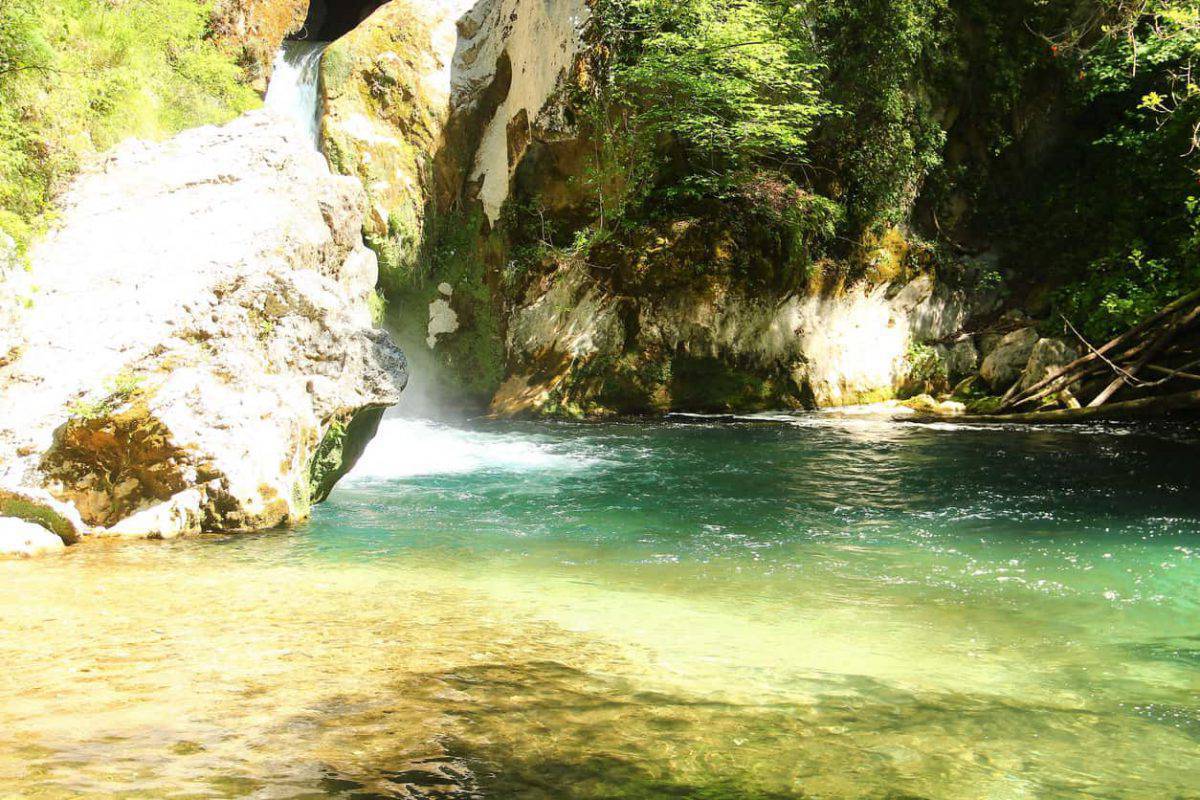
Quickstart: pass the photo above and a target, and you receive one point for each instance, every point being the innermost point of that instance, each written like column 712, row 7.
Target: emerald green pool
column 821, row 606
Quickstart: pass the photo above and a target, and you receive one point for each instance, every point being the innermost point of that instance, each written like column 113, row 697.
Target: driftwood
column 1173, row 373
column 1157, row 346
column 1143, row 408
column 1151, row 345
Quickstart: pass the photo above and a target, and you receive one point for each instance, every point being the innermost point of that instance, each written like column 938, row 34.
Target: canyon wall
column 452, row 113
column 555, row 239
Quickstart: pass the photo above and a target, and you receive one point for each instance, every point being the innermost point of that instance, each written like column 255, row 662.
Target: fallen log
column 1073, row 371
column 1160, row 342
column 1173, row 373
column 1143, row 408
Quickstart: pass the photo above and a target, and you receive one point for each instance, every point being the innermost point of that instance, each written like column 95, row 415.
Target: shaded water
column 820, row 606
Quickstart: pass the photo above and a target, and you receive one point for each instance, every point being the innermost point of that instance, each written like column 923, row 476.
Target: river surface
column 821, row 606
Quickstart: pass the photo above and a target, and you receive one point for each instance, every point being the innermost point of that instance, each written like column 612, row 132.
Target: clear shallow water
column 828, row 606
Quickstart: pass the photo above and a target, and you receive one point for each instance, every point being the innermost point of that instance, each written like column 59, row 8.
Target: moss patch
column 15, row 505
column 339, row 450
column 461, row 252
column 111, row 466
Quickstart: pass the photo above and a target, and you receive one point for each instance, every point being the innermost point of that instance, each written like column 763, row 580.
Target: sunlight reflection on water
column 756, row 609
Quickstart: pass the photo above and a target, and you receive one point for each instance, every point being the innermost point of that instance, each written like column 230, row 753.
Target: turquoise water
column 823, row 605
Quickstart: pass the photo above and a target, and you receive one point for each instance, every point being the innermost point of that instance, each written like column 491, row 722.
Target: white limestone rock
column 846, row 348
column 202, row 322
column 442, row 317
column 21, row 538
column 540, row 41
column 178, row 516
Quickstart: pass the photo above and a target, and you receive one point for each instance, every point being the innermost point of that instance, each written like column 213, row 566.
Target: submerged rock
column 202, row 326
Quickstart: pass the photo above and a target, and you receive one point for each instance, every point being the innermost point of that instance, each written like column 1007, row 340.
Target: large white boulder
column 200, row 353
column 21, row 538
column 1006, row 361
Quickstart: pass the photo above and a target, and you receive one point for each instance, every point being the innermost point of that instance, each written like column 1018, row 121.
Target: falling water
column 293, row 89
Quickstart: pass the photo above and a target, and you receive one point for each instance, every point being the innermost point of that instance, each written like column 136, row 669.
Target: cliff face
column 605, row 207
column 558, row 233
column 464, row 121
column 254, row 29
column 430, row 104
column 198, row 353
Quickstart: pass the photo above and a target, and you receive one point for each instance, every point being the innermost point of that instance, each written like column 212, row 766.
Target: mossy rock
column 984, row 405
column 340, row 449
column 20, row 506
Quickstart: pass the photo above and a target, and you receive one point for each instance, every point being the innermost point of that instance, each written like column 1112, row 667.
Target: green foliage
column 781, row 229
column 620, row 167
column 1114, row 220
column 1119, row 291
column 729, row 83
column 888, row 139
column 853, row 100
column 118, row 390
column 693, row 91
column 1142, row 69
column 377, row 303
column 924, row 364
column 77, row 76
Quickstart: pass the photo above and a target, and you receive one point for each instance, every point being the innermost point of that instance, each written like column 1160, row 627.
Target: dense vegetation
column 1059, row 135
column 77, row 76
column 1117, row 220
column 844, row 134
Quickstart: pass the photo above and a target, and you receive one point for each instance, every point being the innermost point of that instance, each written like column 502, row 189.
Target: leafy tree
column 727, row 83
column 1136, row 71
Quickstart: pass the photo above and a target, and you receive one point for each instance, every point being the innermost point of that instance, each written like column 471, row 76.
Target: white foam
column 406, row 448
column 873, row 415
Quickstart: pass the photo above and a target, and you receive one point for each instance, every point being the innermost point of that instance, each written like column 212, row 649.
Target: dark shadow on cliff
column 328, row 20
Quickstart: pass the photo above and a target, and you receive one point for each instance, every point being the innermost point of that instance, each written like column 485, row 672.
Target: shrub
column 77, row 76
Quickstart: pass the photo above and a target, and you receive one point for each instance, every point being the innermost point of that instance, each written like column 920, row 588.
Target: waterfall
column 293, row 89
